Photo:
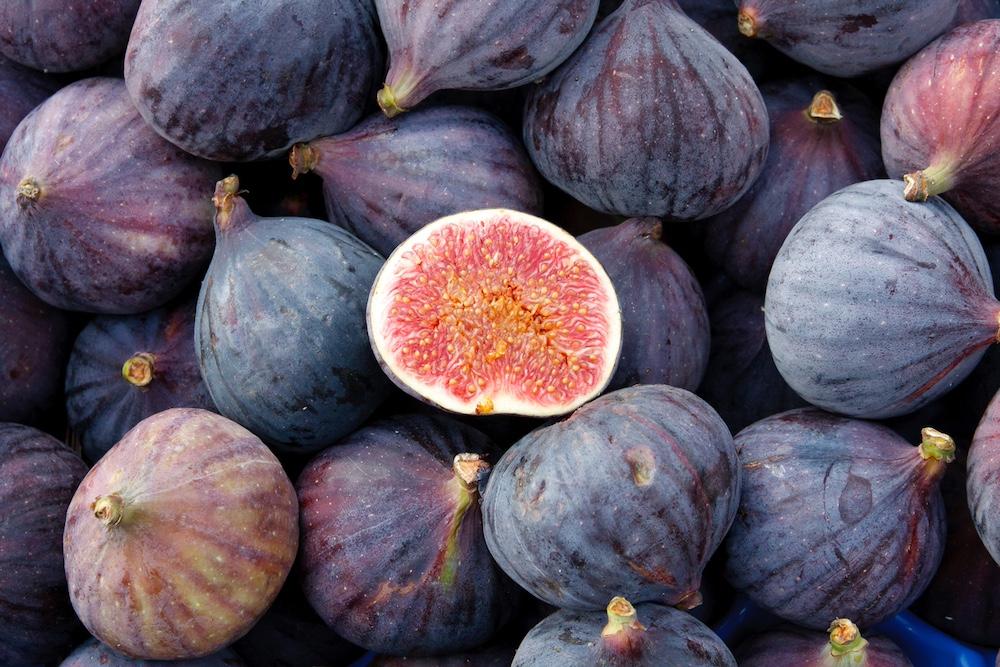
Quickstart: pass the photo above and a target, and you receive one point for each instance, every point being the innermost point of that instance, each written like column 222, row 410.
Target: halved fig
column 495, row 311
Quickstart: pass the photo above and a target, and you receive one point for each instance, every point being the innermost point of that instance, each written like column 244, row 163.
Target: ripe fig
column 976, row 10
column 21, row 90
column 491, row 655
column 842, row 647
column 984, row 469
column 700, row 150
column 93, row 653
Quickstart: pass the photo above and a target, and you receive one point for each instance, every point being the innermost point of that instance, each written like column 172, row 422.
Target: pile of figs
column 549, row 334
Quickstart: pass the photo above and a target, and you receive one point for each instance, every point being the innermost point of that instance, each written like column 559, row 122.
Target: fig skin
column 97, row 212
column 976, row 10
column 589, row 135
column 802, row 648
column 21, row 90
column 385, row 179
column 661, row 454
column 190, row 525
column 233, row 83
column 93, row 653
column 984, row 468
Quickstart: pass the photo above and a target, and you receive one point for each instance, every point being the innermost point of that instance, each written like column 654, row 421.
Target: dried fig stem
column 936, row 445
column 469, row 468
column 823, row 108
column 27, row 192
column 922, row 185
column 226, row 192
column 138, row 369
column 845, row 638
column 388, row 102
column 303, row 158
column 621, row 616
column 747, row 23
column 110, row 509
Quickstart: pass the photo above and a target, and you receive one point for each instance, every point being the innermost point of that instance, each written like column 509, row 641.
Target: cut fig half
column 495, row 312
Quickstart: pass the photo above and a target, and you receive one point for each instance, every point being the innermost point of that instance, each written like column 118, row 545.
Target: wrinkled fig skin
column 280, row 329
column 942, row 116
column 38, row 475
column 393, row 559
column 554, row 504
column 839, row 518
column 385, row 179
column 240, row 81
column 802, row 648
column 849, row 37
column 103, row 403
column 590, row 132
column 665, row 338
column 97, row 212
column 95, row 654
column 811, row 156
column 21, row 90
column 876, row 306
column 983, row 484
column 489, row 46
column 976, row 10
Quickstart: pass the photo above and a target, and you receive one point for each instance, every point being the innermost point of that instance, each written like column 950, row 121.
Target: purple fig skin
column 38, row 475
column 820, row 143
column 661, row 454
column 385, row 179
column 393, row 556
column 489, row 656
column 818, row 534
column 984, row 471
column 21, row 90
column 876, row 306
column 93, row 653
column 803, row 648
column 226, row 82
column 941, row 123
column 590, row 136
column 665, row 338
column 97, row 212
column 489, row 46
column 976, row 10
column 846, row 38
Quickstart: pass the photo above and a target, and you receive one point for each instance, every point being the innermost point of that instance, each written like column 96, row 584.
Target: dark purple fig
column 393, row 556
column 229, row 82
column 941, row 123
column 649, row 635
column 838, row 517
column 555, row 503
column 435, row 45
column 876, row 306
column 842, row 647
column 21, row 90
column 846, row 38
column 821, row 141
column 126, row 368
column 488, row 656
column 984, row 471
column 665, row 337
column 591, row 130
column 280, row 331
column 97, row 212
column 93, row 653
column 385, row 179
column 38, row 475
column 976, row 10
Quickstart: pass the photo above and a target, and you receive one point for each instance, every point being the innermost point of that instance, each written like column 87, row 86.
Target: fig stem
column 845, row 638
column 469, row 468
column 303, row 158
column 389, row 103
column 138, row 369
column 27, row 192
column 226, row 192
column 110, row 509
column 690, row 601
column 922, row 185
column 621, row 617
column 936, row 445
column 823, row 108
column 747, row 23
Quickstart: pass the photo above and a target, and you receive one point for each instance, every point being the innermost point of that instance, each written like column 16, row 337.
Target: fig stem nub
column 747, row 23
column 110, row 509
column 388, row 103
column 936, row 445
column 845, row 638
column 823, row 108
column 469, row 468
column 138, row 369
column 920, row 186
column 621, row 616
column 303, row 158
column 225, row 191
column 27, row 191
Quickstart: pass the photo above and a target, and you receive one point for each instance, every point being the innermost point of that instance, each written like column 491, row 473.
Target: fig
column 21, row 90
column 93, row 653
column 495, row 312
column 393, row 556
column 876, row 306
column 38, row 475
column 983, row 466
column 555, row 502
column 98, row 213
column 838, row 517
column 848, row 38
column 488, row 656
column 229, row 82
column 842, row 647
column 279, row 330
column 126, row 368
column 941, row 123
column 694, row 157
column 647, row 635
column 821, row 141
column 976, row 10
column 665, row 337
column 385, row 179
column 179, row 539
column 486, row 46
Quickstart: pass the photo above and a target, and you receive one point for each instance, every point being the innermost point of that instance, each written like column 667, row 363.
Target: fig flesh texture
column 556, row 502
column 495, row 312
column 280, row 327
column 93, row 653
column 984, row 469
column 393, row 556
column 843, row 646
column 237, row 81
column 488, row 46
column 695, row 156
column 941, row 123
column 838, row 517
column 21, row 90
column 180, row 538
column 385, row 179
column 876, row 306
column 97, row 212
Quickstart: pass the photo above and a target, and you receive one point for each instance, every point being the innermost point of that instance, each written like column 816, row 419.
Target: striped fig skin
column 802, row 648
column 21, row 90
column 385, row 179
column 38, row 475
column 554, row 504
column 590, row 131
column 393, row 557
column 876, row 306
column 839, row 518
column 984, row 471
column 97, row 212
column 665, row 337
column 93, row 653
column 942, row 116
column 180, row 538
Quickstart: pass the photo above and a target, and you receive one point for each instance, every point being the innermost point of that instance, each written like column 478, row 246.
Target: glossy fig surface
column 843, row 646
